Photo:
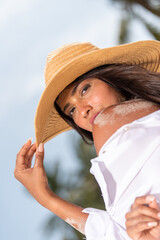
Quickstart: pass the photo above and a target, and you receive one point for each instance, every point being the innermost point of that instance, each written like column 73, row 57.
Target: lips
column 93, row 117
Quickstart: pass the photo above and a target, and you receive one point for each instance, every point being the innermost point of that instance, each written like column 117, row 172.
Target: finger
column 140, row 227
column 21, row 154
column 31, row 150
column 39, row 156
column 142, row 201
column 139, row 219
column 30, row 154
column 143, row 210
column 154, row 205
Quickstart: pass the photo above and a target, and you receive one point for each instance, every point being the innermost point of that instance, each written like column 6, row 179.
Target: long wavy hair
column 131, row 82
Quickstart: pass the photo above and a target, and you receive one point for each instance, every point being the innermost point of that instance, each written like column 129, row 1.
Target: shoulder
column 115, row 116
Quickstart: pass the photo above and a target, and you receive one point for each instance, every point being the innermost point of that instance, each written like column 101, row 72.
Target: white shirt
column 128, row 166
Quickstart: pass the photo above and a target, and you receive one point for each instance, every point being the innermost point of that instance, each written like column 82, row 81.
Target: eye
column 84, row 89
column 71, row 112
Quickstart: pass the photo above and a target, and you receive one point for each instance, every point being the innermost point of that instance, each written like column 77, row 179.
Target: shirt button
column 126, row 128
column 104, row 152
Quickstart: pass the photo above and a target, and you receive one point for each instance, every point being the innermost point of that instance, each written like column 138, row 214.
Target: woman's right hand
column 33, row 178
column 143, row 221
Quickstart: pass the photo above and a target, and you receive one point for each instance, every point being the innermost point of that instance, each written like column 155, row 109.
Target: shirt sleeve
column 101, row 226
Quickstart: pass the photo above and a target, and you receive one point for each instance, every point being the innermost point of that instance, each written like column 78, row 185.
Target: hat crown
column 63, row 56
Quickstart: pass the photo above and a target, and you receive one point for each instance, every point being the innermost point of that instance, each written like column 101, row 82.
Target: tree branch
column 147, row 6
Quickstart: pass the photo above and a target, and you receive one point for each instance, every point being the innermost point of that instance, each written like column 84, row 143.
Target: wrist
column 45, row 196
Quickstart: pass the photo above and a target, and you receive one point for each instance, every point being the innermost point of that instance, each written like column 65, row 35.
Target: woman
column 110, row 96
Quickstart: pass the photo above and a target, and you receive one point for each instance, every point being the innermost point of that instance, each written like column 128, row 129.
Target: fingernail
column 30, row 139
column 152, row 224
column 41, row 147
column 158, row 215
column 150, row 198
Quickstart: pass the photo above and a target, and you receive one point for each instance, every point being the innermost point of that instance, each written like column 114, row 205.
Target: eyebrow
column 75, row 88
column 65, row 107
column 72, row 94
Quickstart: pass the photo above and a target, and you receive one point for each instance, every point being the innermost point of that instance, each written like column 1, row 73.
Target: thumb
column 39, row 157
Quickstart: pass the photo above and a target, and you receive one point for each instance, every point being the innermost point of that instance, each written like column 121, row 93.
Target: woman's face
column 85, row 100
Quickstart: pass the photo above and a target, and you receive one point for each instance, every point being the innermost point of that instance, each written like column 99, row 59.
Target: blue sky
column 29, row 30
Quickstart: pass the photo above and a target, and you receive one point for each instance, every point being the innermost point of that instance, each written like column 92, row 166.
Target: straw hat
column 70, row 61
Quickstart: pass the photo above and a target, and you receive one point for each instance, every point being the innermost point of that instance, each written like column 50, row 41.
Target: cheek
column 77, row 120
column 104, row 98
column 81, row 122
column 109, row 96
column 98, row 99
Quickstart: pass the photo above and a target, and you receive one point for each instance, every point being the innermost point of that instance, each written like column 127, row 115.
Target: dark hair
column 130, row 82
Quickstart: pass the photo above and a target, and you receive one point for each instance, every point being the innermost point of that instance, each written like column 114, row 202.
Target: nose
column 85, row 111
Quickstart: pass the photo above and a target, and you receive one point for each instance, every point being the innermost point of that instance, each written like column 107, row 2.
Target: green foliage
column 152, row 6
column 155, row 31
column 130, row 13
column 124, row 29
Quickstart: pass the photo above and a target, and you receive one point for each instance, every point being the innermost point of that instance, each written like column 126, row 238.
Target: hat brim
column 48, row 123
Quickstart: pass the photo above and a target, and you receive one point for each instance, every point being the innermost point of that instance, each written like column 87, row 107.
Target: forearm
column 99, row 224
column 70, row 213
